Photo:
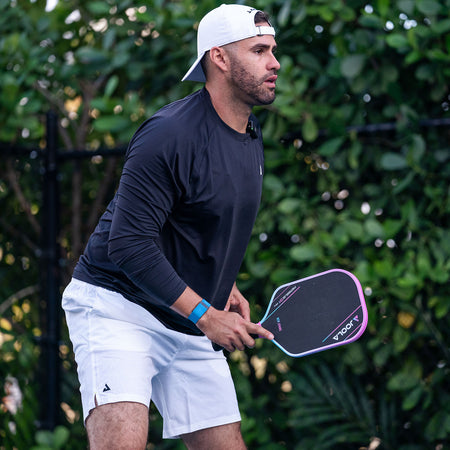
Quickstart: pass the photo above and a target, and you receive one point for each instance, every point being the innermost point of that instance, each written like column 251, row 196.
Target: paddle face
column 317, row 313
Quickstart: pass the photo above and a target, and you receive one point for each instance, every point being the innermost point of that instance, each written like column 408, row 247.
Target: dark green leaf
column 393, row 161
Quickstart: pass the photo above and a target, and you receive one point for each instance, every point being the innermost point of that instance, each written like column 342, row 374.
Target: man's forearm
column 186, row 302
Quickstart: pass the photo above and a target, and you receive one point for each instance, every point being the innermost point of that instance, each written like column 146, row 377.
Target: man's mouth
column 271, row 81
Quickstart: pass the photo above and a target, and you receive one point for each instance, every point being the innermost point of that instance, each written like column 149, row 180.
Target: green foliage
column 48, row 440
column 371, row 200
column 18, row 366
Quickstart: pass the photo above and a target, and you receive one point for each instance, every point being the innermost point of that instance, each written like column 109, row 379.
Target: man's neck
column 235, row 114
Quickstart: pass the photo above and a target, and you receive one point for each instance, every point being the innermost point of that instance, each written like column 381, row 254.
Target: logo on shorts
column 106, row 388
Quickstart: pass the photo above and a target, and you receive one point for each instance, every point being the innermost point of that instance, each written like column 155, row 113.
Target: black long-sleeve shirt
column 183, row 213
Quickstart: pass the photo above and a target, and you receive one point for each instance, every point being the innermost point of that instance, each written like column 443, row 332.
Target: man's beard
column 252, row 89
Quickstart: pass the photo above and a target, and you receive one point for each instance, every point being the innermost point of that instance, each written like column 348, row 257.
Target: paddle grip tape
column 198, row 311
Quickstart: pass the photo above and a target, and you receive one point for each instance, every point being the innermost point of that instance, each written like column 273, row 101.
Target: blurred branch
column 53, row 99
column 12, row 178
column 25, row 292
column 437, row 335
column 18, row 234
column 90, row 90
column 99, row 202
column 77, row 179
column 59, row 104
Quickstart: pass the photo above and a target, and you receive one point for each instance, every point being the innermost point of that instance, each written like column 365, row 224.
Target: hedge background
column 357, row 170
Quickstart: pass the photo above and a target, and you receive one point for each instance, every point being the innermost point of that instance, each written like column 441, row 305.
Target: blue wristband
column 198, row 311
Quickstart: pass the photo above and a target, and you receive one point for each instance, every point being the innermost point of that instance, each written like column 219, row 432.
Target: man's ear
column 219, row 59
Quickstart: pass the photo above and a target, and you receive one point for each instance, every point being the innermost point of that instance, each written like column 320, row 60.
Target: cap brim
column 195, row 73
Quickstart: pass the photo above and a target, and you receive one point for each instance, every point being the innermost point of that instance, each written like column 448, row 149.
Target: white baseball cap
column 221, row 26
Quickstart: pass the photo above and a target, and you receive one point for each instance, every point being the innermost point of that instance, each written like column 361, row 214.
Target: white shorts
column 123, row 353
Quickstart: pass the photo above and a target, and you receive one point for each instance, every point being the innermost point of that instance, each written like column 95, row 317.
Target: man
column 155, row 285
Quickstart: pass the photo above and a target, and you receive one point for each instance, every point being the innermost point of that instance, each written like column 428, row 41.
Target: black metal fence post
column 51, row 277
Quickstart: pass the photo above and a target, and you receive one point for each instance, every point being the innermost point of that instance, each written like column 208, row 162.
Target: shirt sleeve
column 149, row 188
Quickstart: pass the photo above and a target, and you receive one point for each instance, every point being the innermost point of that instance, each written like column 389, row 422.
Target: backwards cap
column 221, row 26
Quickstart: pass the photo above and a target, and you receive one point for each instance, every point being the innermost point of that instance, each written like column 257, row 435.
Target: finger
column 230, row 348
column 250, row 342
column 257, row 329
column 235, row 345
column 242, row 340
column 245, row 310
